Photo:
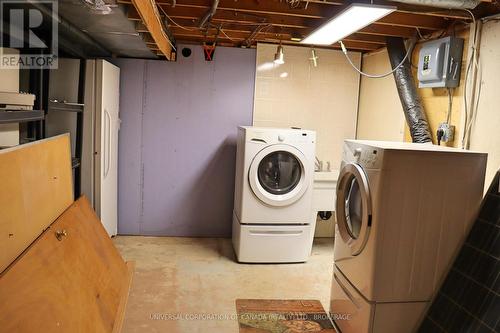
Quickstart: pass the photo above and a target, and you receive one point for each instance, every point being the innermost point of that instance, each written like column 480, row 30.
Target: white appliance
column 100, row 140
column 99, row 133
column 403, row 210
column 11, row 99
column 273, row 195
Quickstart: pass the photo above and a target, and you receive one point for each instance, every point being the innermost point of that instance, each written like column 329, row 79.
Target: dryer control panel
column 366, row 156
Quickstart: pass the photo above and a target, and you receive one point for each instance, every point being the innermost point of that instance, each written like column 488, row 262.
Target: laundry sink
column 324, row 187
column 326, row 176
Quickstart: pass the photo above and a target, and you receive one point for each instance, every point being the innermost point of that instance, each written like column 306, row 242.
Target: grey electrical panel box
column 440, row 62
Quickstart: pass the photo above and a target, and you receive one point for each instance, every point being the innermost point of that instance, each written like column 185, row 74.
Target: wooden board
column 152, row 20
column 76, row 284
column 265, row 315
column 35, row 188
column 120, row 315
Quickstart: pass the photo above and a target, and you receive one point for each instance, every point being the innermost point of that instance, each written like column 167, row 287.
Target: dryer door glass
column 279, row 172
column 354, row 209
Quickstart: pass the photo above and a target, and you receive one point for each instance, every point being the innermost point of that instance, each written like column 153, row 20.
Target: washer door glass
column 279, row 172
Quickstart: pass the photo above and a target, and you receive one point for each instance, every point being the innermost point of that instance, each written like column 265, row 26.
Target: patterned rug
column 282, row 316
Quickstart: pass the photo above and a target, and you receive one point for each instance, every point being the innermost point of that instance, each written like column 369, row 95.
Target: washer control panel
column 289, row 136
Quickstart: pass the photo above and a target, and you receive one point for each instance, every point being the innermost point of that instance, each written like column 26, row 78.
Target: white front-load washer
column 403, row 211
column 273, row 194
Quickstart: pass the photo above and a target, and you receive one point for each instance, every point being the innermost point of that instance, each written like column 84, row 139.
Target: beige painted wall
column 380, row 115
column 297, row 94
column 435, row 100
column 379, row 104
column 485, row 133
column 380, row 112
column 323, row 98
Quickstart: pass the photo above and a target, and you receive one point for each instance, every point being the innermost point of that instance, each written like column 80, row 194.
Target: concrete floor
column 188, row 278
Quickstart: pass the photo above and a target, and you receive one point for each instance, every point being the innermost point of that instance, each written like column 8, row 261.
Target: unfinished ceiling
column 110, row 32
column 246, row 22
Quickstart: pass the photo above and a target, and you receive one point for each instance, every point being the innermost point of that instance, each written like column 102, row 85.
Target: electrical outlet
column 448, row 132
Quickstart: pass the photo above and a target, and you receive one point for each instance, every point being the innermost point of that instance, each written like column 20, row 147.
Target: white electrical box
column 440, row 62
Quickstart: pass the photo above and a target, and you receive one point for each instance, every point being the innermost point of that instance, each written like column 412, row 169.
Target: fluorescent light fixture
column 350, row 20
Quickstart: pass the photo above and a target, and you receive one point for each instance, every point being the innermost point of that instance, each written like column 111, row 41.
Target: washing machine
column 403, row 210
column 273, row 194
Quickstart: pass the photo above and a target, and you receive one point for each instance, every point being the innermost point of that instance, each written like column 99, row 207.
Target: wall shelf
column 20, row 116
column 65, row 106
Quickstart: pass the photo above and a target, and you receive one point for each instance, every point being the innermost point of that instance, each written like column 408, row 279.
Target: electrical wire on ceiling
column 258, row 29
column 378, row 76
column 423, row 38
column 221, row 29
column 293, row 3
column 224, row 33
column 157, row 15
column 175, row 23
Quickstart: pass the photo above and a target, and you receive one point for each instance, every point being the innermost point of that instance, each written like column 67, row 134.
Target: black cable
column 440, row 134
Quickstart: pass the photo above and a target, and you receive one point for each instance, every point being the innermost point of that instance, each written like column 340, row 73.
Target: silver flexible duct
column 208, row 15
column 408, row 94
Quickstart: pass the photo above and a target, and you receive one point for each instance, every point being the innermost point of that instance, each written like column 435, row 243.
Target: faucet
column 318, row 165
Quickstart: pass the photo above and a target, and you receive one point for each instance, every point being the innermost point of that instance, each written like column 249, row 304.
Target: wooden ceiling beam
column 378, row 31
column 353, row 46
column 383, row 29
column 409, row 20
column 242, row 35
column 149, row 15
column 274, row 21
column 315, row 9
column 195, row 14
column 395, row 19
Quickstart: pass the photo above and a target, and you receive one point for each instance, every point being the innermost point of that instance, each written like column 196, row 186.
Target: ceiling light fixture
column 279, row 56
column 314, row 58
column 350, row 20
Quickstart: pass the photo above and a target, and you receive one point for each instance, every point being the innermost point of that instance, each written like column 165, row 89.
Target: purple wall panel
column 129, row 148
column 186, row 114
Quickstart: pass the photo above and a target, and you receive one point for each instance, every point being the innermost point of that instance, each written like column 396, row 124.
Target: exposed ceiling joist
column 279, row 19
column 314, row 9
column 149, row 15
column 245, row 22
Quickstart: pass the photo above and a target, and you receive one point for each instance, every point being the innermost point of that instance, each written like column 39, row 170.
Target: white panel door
column 108, row 88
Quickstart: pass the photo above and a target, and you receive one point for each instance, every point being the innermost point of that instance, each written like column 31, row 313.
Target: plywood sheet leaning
column 35, row 188
column 71, row 279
